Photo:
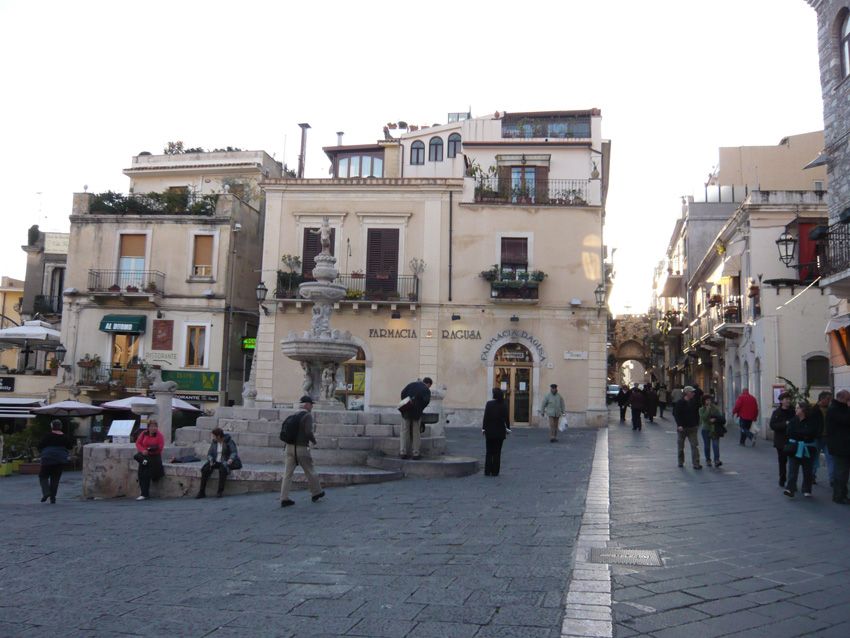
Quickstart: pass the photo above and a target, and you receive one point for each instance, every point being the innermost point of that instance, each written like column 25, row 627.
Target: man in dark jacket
column 222, row 456
column 419, row 393
column 838, row 442
column 637, row 400
column 623, row 402
column 779, row 421
column 686, row 414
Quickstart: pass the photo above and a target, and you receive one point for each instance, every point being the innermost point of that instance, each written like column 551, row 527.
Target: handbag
column 140, row 458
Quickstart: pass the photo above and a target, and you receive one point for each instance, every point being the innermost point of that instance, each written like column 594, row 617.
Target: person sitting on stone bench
column 222, row 456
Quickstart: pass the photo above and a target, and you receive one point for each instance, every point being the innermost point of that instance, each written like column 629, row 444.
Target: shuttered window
column 131, row 262
column 311, row 247
column 514, row 256
column 382, row 259
column 133, row 246
column 202, row 258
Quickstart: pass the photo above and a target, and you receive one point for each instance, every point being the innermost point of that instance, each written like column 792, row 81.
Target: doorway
column 512, row 371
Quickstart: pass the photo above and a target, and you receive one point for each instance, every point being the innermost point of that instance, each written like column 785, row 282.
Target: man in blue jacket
column 419, row 393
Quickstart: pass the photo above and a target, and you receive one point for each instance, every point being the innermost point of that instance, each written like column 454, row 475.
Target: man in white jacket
column 554, row 408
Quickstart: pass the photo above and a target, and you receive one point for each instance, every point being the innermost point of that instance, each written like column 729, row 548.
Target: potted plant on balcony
column 730, row 313
column 357, row 274
column 151, row 287
column 715, row 300
column 132, row 288
column 491, row 274
column 537, row 275
column 352, row 294
column 88, row 362
column 114, row 288
column 53, row 366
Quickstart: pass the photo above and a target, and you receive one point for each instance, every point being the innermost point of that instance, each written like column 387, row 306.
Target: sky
column 86, row 85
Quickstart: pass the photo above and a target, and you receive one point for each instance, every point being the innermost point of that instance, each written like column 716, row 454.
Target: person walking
column 222, row 456
column 838, row 443
column 663, row 397
column 419, row 393
column 686, row 414
column 298, row 453
column 675, row 395
column 651, row 400
column 623, row 402
column 553, row 408
column 710, row 419
column 150, row 445
column 54, row 448
column 496, row 426
column 747, row 410
column 802, row 432
column 779, row 420
column 824, row 399
column 637, row 401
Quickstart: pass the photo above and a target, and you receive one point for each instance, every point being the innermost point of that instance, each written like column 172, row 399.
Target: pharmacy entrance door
column 512, row 368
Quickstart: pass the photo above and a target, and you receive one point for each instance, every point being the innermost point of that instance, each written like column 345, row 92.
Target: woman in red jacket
column 150, row 445
column 747, row 410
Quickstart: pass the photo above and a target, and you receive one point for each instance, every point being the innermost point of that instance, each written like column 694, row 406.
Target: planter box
column 5, row 469
column 30, row 468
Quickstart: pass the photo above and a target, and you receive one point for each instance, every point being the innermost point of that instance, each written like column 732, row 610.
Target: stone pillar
column 163, row 391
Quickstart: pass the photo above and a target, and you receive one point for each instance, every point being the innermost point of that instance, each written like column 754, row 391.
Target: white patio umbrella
column 68, row 408
column 128, row 403
column 37, row 334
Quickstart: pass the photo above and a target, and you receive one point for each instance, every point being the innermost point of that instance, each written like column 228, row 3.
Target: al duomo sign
column 469, row 335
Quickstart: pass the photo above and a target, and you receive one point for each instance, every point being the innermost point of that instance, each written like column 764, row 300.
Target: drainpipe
column 451, row 212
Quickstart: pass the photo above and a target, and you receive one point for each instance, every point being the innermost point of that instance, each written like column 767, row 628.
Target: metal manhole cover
column 616, row 556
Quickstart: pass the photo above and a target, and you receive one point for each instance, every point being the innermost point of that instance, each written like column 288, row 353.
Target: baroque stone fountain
column 320, row 349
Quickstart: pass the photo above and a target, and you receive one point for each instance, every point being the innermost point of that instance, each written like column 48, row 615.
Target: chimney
column 302, row 156
column 339, row 135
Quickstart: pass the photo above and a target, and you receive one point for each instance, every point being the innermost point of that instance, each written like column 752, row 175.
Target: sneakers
column 788, row 493
column 807, row 494
column 141, row 498
column 287, row 502
column 718, row 463
column 316, row 497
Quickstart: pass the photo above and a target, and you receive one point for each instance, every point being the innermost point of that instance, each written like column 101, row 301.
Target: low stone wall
column 109, row 470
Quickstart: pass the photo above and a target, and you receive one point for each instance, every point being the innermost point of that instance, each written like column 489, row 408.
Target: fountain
column 320, row 349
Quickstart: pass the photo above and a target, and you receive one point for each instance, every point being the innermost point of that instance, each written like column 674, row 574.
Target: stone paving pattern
column 740, row 558
column 476, row 556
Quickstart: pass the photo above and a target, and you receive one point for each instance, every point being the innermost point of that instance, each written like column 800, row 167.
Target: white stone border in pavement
column 587, row 613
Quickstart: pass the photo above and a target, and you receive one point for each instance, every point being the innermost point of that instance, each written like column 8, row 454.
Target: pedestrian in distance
column 553, row 408
column 651, row 400
column 747, row 410
column 838, row 443
column 149, row 446
column 801, row 447
column 496, row 427
column 779, row 420
column 298, row 453
column 623, row 402
column 711, row 422
column 223, row 456
column 686, row 414
column 637, row 401
column 819, row 412
column 54, row 448
column 419, row 395
column 675, row 395
column 663, row 397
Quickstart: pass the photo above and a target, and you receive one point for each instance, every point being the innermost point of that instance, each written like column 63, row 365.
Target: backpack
column 291, row 426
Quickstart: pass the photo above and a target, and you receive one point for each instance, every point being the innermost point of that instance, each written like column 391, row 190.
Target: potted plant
column 357, row 274
column 353, row 294
column 715, row 300
column 537, row 275
column 53, row 366
column 132, row 288
column 151, row 287
column 491, row 274
column 114, row 288
column 86, row 362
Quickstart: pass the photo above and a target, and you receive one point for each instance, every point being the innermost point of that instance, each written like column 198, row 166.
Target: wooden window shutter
column 132, row 246
column 515, row 250
column 382, row 259
column 541, row 184
column 311, row 247
column 203, row 250
column 505, row 182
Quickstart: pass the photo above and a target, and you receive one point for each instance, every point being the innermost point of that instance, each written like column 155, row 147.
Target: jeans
column 691, row 435
column 714, row 443
column 493, row 457
column 636, row 423
column 745, row 430
column 662, row 405
column 842, row 473
column 794, row 464
column 48, row 477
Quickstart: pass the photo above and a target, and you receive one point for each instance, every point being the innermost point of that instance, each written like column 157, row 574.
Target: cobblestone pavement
column 740, row 559
column 478, row 556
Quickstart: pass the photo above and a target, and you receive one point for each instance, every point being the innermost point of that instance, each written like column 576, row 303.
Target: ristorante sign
column 515, row 335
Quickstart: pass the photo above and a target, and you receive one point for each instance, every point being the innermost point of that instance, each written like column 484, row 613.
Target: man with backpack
column 297, row 433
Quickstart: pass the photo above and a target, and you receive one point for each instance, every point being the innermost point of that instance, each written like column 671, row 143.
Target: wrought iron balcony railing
column 515, row 289
column 837, row 250
column 47, row 305
column 91, row 374
column 150, row 282
column 537, row 192
column 359, row 287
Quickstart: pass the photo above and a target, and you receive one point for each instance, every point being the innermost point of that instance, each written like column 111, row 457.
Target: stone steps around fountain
column 434, row 467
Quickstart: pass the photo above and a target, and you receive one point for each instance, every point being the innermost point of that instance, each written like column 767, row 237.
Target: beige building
column 472, row 253
column 165, row 277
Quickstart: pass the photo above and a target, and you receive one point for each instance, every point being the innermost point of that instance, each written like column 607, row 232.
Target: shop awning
column 123, row 323
column 18, row 407
column 732, row 265
column 835, row 323
column 674, row 286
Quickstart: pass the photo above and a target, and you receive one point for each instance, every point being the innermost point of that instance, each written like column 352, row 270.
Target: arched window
column 417, row 152
column 454, row 145
column 435, row 149
column 817, row 372
column 844, row 45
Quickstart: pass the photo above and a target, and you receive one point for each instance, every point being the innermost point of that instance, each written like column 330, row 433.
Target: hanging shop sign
column 189, row 380
column 517, row 335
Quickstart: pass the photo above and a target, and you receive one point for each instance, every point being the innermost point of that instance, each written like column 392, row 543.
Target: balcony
column 514, row 291
column 538, row 192
column 107, row 377
column 47, row 305
column 368, row 288
column 836, row 267
column 730, row 321
column 128, row 284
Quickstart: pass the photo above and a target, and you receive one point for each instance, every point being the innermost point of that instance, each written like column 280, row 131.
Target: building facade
column 165, row 277
column 472, row 256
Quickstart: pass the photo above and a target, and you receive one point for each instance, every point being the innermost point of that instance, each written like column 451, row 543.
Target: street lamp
column 59, row 353
column 262, row 291
column 786, row 245
column 599, row 293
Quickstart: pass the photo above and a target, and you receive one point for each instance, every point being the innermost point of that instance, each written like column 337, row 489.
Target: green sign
column 186, row 380
column 249, row 343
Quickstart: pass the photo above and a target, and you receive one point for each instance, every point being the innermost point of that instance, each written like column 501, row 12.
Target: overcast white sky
column 86, row 85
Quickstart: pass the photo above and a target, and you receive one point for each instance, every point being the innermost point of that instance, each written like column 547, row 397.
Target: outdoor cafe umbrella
column 68, row 408
column 129, row 402
column 38, row 334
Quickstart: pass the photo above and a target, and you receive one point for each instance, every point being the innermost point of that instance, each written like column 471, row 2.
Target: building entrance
column 512, row 368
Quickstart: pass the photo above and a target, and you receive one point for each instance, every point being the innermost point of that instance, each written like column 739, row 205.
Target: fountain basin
column 318, row 350
column 318, row 291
